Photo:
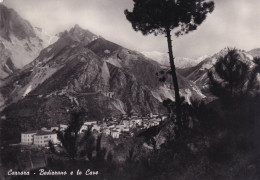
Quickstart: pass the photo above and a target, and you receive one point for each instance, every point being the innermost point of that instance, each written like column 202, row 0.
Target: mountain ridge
column 12, row 23
column 20, row 42
column 180, row 62
column 199, row 73
column 82, row 69
column 64, row 69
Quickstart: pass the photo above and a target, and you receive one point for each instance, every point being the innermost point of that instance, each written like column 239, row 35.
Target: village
column 114, row 127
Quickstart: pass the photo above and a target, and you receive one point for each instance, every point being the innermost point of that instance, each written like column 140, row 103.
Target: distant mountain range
column 180, row 62
column 254, row 52
column 81, row 69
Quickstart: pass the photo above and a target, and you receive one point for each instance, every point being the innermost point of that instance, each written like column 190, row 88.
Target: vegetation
column 75, row 146
column 161, row 17
column 230, row 76
column 69, row 138
column 219, row 140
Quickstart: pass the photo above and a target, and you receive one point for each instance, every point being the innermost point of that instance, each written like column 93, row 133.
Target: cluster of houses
column 126, row 125
column 112, row 127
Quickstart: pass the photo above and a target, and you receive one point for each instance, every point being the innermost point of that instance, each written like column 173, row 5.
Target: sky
column 233, row 23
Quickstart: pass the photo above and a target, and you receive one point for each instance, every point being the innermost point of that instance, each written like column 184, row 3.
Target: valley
column 109, row 106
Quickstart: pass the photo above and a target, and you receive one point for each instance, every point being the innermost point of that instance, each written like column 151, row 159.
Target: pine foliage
column 154, row 16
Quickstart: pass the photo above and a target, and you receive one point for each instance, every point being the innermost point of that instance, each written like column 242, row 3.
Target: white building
column 27, row 137
column 120, row 127
column 126, row 123
column 83, row 128
column 96, row 127
column 153, row 115
column 164, row 117
column 42, row 138
column 87, row 125
column 38, row 138
column 109, row 94
column 107, row 132
column 54, row 129
column 90, row 123
column 63, row 127
column 135, row 122
column 155, row 122
column 146, row 125
column 125, row 116
column 111, row 126
column 126, row 129
column 115, row 134
column 50, row 129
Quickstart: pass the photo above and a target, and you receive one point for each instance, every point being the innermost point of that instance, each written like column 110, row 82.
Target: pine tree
column 161, row 17
column 88, row 142
column 253, row 85
column 229, row 77
column 69, row 138
column 236, row 85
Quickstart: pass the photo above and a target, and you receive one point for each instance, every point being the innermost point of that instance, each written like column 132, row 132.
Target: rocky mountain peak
column 254, row 52
column 11, row 23
column 80, row 35
column 77, row 28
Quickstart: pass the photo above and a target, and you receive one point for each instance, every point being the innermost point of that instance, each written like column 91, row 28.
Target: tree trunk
column 30, row 158
column 174, row 79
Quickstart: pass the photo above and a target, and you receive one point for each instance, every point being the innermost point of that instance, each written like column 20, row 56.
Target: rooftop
column 88, row 121
column 40, row 133
column 115, row 131
column 30, row 132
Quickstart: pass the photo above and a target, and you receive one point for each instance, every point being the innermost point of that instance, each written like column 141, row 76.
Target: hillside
column 85, row 70
column 199, row 73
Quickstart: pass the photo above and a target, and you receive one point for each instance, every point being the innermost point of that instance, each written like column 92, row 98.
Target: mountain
column 254, row 52
column 85, row 70
column 46, row 38
column 20, row 43
column 198, row 73
column 81, row 35
column 6, row 64
column 13, row 24
column 180, row 62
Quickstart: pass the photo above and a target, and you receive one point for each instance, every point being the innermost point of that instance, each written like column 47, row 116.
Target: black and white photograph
column 130, row 89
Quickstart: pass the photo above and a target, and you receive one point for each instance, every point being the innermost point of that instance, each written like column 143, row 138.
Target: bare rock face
column 6, row 65
column 12, row 24
column 19, row 41
column 69, row 68
column 18, row 45
column 79, row 70
column 82, row 35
